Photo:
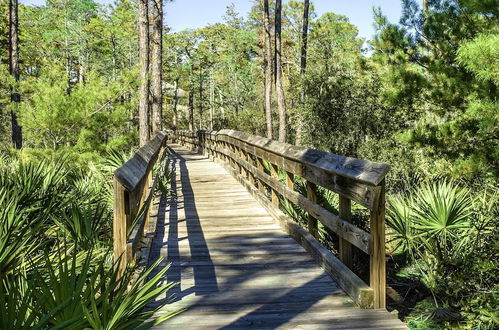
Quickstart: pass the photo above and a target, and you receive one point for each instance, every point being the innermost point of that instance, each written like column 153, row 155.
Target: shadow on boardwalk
column 171, row 205
column 235, row 267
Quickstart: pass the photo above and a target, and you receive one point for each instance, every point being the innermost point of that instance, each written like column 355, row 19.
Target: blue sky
column 183, row 14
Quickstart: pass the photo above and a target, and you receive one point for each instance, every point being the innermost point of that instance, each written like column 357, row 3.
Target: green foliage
column 439, row 68
column 78, row 76
column 480, row 56
column 82, row 118
column 56, row 268
column 442, row 211
column 423, row 99
column 450, row 239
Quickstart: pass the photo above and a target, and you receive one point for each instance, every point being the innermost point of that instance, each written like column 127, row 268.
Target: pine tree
column 268, row 68
column 281, row 103
column 156, row 64
column 144, row 109
column 15, row 97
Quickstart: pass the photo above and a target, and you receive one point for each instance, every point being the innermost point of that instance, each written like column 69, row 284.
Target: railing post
column 225, row 149
column 290, row 180
column 378, row 266
column 235, row 164
column 119, row 226
column 147, row 186
column 312, row 196
column 230, row 161
column 251, row 161
column 220, row 150
column 345, row 213
column 261, row 185
column 274, row 171
column 242, row 155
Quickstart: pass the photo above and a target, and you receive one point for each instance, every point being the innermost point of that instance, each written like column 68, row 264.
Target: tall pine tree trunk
column 156, row 65
column 212, row 98
column 191, row 109
column 303, row 66
column 200, row 108
column 268, row 68
column 15, row 97
column 222, row 108
column 281, row 104
column 175, row 105
column 143, row 25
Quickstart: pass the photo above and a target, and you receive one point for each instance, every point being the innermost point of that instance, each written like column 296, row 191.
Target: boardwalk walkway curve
column 236, row 265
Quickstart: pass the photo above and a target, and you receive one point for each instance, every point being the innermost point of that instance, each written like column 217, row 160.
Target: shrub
column 56, row 265
column 450, row 239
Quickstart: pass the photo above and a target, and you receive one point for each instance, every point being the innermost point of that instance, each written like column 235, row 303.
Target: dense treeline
column 74, row 55
column 427, row 90
column 421, row 96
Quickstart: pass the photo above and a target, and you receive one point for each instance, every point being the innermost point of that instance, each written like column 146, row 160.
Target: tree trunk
column 200, row 109
column 212, row 98
column 81, row 72
column 191, row 110
column 175, row 104
column 222, row 109
column 281, row 104
column 156, row 65
column 143, row 25
column 268, row 68
column 15, row 97
column 113, row 50
column 303, row 66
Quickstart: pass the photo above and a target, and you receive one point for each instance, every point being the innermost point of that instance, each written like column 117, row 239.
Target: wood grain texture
column 353, row 178
column 345, row 210
column 341, row 227
column 133, row 173
column 236, row 267
column 378, row 255
column 361, row 293
column 132, row 197
column 358, row 169
column 369, row 193
column 119, row 226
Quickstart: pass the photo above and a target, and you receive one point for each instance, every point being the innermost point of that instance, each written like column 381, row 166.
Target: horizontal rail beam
column 343, row 228
column 352, row 179
column 132, row 197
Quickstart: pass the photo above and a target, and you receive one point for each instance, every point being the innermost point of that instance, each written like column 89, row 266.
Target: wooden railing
column 352, row 179
column 133, row 191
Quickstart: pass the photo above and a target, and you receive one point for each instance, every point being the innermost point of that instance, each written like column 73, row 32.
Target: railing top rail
column 353, row 168
column 134, row 171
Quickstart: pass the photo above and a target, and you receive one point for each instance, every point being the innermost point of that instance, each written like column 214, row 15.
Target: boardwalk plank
column 235, row 266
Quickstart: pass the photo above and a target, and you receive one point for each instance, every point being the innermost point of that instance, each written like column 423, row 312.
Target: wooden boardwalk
column 235, row 267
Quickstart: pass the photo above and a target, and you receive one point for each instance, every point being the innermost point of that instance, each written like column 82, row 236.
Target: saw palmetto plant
column 56, row 265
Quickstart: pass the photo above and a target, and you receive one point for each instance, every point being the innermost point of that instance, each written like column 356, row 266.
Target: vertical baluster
column 251, row 161
column 261, row 185
column 223, row 148
column 234, row 162
column 232, row 149
column 226, row 148
column 242, row 155
column 274, row 171
column 119, row 226
column 147, row 186
column 378, row 267
column 345, row 212
column 290, row 180
column 312, row 222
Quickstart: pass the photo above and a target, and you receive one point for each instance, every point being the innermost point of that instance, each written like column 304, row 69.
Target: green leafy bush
column 450, row 239
column 56, row 264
